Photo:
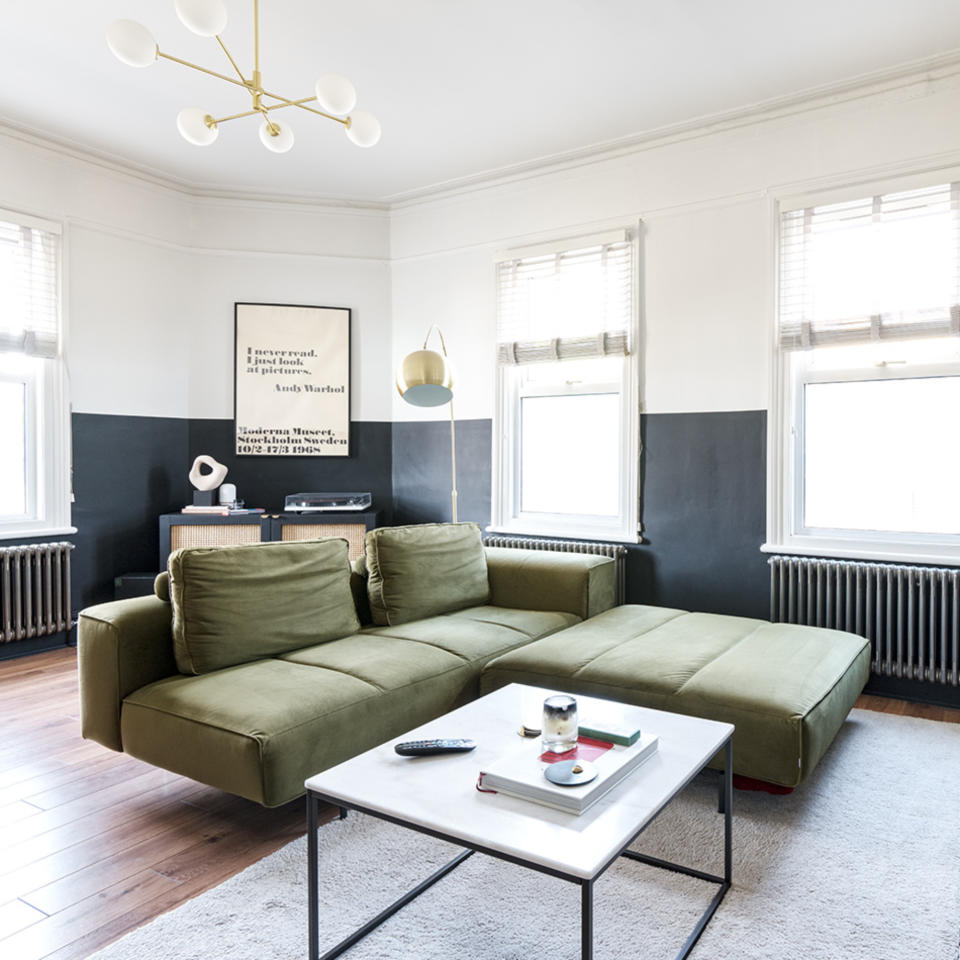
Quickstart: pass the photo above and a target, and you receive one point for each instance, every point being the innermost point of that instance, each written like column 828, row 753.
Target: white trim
column 815, row 547
column 563, row 244
column 26, row 531
column 34, row 223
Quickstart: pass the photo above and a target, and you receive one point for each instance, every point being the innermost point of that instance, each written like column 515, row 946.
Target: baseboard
column 24, row 648
column 916, row 691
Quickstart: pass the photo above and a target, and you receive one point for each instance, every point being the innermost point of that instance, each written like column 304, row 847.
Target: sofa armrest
column 577, row 583
column 122, row 646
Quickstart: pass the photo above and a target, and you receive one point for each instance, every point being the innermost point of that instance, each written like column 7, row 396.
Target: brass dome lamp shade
column 425, row 379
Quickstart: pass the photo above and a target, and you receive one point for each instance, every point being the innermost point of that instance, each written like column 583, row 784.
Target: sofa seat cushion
column 786, row 688
column 386, row 663
column 423, row 570
column 260, row 729
column 480, row 633
column 235, row 604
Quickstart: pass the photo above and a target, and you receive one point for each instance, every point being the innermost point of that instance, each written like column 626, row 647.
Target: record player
column 326, row 502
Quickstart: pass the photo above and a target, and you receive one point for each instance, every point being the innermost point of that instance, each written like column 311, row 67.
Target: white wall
column 706, row 199
column 153, row 273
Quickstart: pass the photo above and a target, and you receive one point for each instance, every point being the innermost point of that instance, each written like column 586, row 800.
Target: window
column 567, row 426
column 864, row 458
column 34, row 468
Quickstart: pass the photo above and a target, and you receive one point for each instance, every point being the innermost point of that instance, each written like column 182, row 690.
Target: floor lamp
column 425, row 379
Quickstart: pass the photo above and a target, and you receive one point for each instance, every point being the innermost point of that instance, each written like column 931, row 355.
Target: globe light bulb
column 206, row 18
column 279, row 139
column 195, row 127
column 364, row 129
column 335, row 94
column 132, row 43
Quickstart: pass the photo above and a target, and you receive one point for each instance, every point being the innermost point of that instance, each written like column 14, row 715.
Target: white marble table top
column 439, row 792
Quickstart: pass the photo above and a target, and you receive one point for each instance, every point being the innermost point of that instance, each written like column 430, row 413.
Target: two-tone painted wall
column 152, row 272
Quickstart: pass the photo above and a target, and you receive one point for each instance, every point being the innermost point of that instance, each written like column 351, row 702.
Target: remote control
column 427, row 748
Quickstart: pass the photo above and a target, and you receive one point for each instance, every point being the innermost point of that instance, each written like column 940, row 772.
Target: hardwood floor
column 94, row 843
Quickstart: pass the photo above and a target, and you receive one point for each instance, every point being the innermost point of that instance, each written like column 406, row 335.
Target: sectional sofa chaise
column 255, row 667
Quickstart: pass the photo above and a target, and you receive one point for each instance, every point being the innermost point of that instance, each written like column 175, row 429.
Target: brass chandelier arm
column 223, row 47
column 236, row 116
column 302, row 104
column 194, row 66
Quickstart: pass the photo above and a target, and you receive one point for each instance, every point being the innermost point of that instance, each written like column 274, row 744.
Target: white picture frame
column 291, row 380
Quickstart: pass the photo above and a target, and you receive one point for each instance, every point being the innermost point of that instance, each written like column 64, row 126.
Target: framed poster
column 291, row 380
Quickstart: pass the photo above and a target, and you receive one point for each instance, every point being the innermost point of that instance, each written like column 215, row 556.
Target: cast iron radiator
column 615, row 551
column 911, row 615
column 34, row 590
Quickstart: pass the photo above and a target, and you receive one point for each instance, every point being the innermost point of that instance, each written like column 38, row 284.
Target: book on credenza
column 220, row 511
column 521, row 773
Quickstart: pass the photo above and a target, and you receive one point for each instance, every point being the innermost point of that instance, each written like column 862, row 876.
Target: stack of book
column 521, row 774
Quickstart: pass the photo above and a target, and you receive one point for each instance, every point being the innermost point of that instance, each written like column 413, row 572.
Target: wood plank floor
column 94, row 843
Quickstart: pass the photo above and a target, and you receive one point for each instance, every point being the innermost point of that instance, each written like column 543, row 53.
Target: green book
column 625, row 736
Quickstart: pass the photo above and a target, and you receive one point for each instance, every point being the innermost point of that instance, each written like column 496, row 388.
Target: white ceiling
column 461, row 87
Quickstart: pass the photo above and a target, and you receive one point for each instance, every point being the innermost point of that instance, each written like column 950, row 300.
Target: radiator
column 34, row 590
column 911, row 615
column 615, row 551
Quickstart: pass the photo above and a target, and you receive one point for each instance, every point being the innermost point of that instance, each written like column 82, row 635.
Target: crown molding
column 157, row 179
column 925, row 71
column 863, row 86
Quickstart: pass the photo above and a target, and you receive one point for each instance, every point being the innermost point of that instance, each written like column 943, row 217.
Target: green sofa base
column 786, row 688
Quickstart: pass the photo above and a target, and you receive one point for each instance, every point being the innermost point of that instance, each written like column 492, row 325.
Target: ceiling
column 461, row 88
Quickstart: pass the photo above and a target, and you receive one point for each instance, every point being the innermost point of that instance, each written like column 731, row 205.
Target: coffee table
column 438, row 796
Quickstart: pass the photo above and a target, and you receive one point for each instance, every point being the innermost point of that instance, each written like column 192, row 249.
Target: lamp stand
column 453, row 462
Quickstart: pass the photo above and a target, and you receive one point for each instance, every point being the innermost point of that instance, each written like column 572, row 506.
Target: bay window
column 864, row 456
column 567, row 423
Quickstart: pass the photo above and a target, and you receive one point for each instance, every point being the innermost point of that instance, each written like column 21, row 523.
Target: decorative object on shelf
column 133, row 44
column 228, row 495
column 292, row 380
column 560, row 724
column 206, row 483
column 425, row 379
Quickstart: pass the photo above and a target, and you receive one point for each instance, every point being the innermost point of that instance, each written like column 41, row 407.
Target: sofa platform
column 786, row 688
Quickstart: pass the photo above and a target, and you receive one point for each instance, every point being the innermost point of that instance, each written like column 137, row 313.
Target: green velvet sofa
column 192, row 681
column 259, row 728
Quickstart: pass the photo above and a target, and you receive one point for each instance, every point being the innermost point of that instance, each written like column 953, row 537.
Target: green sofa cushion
column 260, row 729
column 786, row 688
column 423, row 570
column 236, row 604
column 479, row 633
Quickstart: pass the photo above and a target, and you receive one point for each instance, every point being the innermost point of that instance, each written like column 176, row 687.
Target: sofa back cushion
column 236, row 604
column 423, row 570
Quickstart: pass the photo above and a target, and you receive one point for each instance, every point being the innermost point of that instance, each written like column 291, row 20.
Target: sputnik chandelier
column 133, row 44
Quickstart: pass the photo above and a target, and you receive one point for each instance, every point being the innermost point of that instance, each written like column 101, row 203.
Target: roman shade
column 880, row 268
column 29, row 281
column 569, row 303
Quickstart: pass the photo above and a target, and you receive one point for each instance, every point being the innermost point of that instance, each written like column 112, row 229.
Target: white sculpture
column 207, row 481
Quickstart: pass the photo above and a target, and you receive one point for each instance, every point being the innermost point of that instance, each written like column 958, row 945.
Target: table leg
column 728, row 812
column 313, row 906
column 586, row 920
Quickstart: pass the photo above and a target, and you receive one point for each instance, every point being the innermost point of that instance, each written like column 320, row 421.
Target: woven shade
column 569, row 305
column 881, row 268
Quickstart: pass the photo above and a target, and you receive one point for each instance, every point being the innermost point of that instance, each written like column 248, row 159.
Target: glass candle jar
column 560, row 724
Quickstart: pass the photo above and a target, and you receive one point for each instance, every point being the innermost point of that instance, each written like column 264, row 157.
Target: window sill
column 28, row 532
column 905, row 553
column 565, row 533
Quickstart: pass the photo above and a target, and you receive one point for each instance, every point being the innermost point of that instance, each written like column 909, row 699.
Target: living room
column 732, row 397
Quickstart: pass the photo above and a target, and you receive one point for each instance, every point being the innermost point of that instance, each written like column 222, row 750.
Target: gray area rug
column 860, row 863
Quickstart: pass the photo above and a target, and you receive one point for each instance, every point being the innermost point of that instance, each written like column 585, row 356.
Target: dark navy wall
column 265, row 481
column 703, row 502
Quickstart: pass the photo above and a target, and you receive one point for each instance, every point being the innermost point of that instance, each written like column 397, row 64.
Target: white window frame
column 48, row 422
column 506, row 515
column 790, row 372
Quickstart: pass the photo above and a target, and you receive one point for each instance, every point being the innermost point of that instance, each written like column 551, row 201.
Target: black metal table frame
column 586, row 885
